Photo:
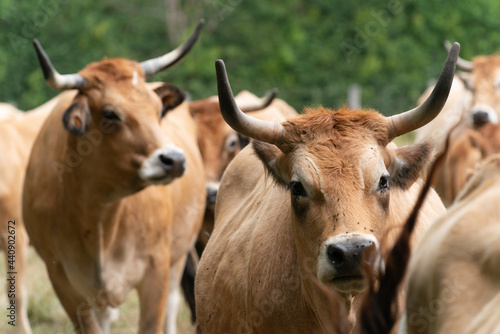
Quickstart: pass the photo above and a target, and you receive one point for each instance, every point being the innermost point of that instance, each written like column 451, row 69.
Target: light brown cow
column 113, row 196
column 454, row 273
column 300, row 210
column 454, row 111
column 17, row 134
column 7, row 111
column 219, row 144
column 473, row 146
column 474, row 100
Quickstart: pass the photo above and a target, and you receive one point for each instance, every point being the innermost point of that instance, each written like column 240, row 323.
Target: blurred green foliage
column 311, row 50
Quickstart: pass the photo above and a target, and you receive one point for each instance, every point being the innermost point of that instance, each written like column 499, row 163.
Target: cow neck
column 97, row 221
column 95, row 208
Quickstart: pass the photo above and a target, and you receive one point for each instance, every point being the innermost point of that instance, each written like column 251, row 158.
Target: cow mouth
column 348, row 278
column 161, row 179
column 349, row 283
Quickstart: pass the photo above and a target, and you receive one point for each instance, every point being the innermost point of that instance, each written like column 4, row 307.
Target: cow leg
column 106, row 317
column 22, row 245
column 19, row 244
column 79, row 311
column 153, row 293
column 187, row 281
column 174, row 297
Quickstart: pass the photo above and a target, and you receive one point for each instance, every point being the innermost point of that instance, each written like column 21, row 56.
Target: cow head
column 217, row 141
column 481, row 77
column 465, row 153
column 340, row 170
column 118, row 117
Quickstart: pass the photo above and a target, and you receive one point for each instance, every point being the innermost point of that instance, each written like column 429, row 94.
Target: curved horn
column 463, row 64
column 155, row 65
column 263, row 102
column 54, row 79
column 413, row 119
column 266, row 131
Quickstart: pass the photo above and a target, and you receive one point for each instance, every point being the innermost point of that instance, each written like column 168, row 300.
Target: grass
column 46, row 314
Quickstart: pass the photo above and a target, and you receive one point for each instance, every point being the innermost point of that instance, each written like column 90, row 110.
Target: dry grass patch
column 47, row 315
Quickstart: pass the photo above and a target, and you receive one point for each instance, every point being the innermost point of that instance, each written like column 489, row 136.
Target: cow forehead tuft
column 108, row 70
column 321, row 123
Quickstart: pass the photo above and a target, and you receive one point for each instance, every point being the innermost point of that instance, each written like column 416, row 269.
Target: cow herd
column 271, row 221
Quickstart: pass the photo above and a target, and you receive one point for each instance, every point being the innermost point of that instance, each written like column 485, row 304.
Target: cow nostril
column 166, row 161
column 211, row 192
column 211, row 195
column 173, row 162
column 335, row 255
column 480, row 118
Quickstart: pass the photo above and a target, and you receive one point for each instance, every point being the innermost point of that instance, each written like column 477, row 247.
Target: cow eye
column 231, row 146
column 297, row 189
column 110, row 115
column 384, row 183
column 231, row 142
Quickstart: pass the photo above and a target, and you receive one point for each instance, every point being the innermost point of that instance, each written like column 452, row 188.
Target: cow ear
column 171, row 96
column 409, row 163
column 77, row 117
column 244, row 140
column 466, row 79
column 271, row 156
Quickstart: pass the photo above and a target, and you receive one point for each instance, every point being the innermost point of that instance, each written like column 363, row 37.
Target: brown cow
column 219, row 144
column 474, row 100
column 454, row 273
column 300, row 210
column 112, row 196
column 7, row 111
column 473, row 146
column 17, row 134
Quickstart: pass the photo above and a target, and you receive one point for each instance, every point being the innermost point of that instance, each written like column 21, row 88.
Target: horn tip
column 200, row 25
column 219, row 64
column 37, row 45
column 455, row 48
column 272, row 93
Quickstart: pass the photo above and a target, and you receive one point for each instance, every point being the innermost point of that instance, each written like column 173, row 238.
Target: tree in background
column 311, row 50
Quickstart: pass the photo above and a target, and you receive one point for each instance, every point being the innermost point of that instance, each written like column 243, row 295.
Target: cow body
column 219, row 144
column 301, row 213
column 455, row 111
column 252, row 278
column 18, row 132
column 467, row 150
column 8, row 111
column 112, row 197
column 454, row 271
column 474, row 101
